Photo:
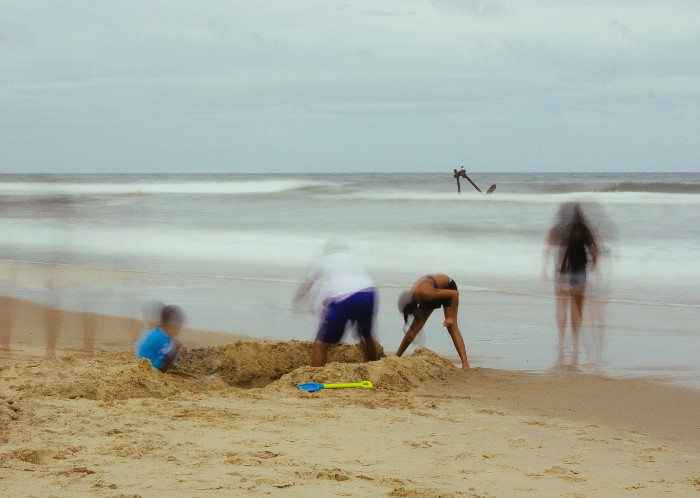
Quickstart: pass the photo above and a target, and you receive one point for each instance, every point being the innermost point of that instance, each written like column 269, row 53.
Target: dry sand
column 231, row 422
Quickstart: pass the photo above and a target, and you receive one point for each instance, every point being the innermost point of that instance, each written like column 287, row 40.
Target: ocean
column 232, row 248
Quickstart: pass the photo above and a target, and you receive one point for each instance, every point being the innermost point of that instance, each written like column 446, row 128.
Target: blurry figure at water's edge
column 341, row 292
column 5, row 327
column 577, row 247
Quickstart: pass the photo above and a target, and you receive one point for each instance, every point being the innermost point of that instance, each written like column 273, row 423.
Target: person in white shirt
column 340, row 291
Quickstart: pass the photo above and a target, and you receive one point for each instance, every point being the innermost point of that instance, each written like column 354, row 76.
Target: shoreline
column 84, row 332
column 502, row 330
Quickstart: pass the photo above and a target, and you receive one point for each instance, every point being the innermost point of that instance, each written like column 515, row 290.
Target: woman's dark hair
column 406, row 305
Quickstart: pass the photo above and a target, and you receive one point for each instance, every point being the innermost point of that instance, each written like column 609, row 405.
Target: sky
column 280, row 86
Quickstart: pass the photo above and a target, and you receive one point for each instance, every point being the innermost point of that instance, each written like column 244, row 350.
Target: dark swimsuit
column 573, row 267
column 451, row 285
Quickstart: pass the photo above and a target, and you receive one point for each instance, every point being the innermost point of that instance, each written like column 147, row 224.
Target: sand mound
column 71, row 377
column 253, row 364
column 257, row 364
column 116, row 376
column 390, row 373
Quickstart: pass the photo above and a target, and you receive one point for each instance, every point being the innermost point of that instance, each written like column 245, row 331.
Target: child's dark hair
column 172, row 314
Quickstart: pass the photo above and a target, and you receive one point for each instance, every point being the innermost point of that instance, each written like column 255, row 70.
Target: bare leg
column 318, row 356
column 576, row 316
column 52, row 317
column 458, row 341
column 53, row 327
column 599, row 328
column 370, row 349
column 5, row 328
column 89, row 329
column 457, row 338
column 562, row 301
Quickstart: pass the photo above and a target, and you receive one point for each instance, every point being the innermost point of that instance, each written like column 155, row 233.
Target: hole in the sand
column 251, row 365
column 255, row 383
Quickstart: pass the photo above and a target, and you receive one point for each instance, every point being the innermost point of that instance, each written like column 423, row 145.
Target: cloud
column 408, row 69
column 474, row 7
column 620, row 28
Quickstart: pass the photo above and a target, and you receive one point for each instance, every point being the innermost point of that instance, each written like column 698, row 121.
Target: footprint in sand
column 572, row 460
column 564, row 473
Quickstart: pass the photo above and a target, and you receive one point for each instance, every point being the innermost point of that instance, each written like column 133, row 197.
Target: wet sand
column 230, row 421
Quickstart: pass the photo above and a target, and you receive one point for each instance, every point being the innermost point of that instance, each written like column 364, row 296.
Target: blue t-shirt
column 155, row 346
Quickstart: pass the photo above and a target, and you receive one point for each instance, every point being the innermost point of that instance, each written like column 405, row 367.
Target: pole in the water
column 470, row 181
column 463, row 174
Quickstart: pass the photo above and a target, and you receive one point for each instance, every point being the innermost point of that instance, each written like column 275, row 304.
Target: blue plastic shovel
column 313, row 387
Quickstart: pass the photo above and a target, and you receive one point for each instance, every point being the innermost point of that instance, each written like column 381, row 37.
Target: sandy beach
column 231, row 422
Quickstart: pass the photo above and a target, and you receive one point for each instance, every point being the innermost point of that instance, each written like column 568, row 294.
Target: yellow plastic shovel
column 313, row 387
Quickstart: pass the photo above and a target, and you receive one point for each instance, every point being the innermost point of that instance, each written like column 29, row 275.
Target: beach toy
column 312, row 387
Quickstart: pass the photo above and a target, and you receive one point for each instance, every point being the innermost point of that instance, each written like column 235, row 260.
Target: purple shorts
column 357, row 308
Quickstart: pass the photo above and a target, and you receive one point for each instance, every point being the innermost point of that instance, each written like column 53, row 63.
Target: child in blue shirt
column 159, row 345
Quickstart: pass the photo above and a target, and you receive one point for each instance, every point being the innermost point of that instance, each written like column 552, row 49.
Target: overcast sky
column 349, row 86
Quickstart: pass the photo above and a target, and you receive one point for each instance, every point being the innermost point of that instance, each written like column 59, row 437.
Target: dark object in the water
column 463, row 174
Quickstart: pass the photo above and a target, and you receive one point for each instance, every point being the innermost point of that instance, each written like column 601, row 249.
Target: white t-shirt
column 335, row 277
